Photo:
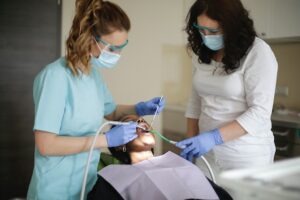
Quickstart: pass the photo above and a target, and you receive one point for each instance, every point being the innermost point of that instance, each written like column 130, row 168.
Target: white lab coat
column 245, row 96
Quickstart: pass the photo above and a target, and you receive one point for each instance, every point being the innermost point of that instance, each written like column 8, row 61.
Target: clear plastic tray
column 277, row 182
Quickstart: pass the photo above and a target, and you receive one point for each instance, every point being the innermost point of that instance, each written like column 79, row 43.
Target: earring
column 124, row 148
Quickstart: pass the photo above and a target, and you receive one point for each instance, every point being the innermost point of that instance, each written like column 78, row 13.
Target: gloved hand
column 200, row 144
column 121, row 134
column 149, row 107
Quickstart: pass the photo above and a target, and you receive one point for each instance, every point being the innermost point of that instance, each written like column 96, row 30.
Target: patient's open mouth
column 142, row 126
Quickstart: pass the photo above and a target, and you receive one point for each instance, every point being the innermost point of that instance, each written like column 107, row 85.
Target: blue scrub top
column 68, row 106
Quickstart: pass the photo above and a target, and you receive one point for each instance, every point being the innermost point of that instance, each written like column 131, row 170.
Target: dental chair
column 104, row 188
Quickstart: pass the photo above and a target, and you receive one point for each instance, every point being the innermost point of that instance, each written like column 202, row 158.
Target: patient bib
column 163, row 177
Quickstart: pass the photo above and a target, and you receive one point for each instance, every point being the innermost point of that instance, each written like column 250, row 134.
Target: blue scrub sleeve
column 49, row 95
column 109, row 105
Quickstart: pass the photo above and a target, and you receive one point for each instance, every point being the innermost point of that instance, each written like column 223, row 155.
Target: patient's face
column 145, row 140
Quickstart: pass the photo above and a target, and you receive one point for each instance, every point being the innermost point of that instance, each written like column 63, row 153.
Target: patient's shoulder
column 103, row 190
column 107, row 159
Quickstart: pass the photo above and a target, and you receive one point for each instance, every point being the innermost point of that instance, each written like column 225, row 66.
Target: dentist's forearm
column 192, row 127
column 50, row 144
column 232, row 131
column 121, row 111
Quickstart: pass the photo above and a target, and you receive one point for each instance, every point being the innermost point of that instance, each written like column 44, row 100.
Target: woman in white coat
column 234, row 78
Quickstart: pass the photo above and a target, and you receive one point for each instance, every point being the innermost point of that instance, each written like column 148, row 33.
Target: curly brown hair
column 238, row 30
column 92, row 18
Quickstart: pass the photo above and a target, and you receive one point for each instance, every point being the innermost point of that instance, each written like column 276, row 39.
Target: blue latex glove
column 121, row 134
column 200, row 144
column 149, row 107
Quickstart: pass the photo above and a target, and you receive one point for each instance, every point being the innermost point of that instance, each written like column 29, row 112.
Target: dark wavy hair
column 122, row 156
column 237, row 27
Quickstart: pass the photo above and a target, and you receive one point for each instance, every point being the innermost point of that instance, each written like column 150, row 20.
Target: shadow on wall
column 288, row 73
column 177, row 74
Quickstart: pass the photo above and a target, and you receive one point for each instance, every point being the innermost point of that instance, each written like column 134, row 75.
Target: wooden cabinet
column 275, row 20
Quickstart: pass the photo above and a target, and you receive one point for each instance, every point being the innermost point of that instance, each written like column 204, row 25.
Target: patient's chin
column 143, row 144
column 147, row 140
column 149, row 143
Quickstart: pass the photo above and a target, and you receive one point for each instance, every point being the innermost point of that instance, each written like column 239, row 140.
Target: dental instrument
column 174, row 143
column 156, row 112
column 143, row 128
column 91, row 152
column 157, row 133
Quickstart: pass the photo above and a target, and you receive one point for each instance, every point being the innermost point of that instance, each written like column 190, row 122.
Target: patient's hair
column 123, row 157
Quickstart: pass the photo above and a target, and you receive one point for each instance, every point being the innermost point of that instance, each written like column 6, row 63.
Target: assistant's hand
column 149, row 107
column 200, row 144
column 121, row 134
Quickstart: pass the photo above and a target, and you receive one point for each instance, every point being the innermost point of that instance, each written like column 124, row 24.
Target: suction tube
column 125, row 123
column 87, row 166
column 202, row 157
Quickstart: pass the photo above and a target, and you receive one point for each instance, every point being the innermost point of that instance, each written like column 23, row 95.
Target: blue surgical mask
column 106, row 59
column 213, row 42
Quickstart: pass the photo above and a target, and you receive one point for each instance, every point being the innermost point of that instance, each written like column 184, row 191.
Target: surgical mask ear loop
column 106, row 59
column 103, row 48
column 98, row 47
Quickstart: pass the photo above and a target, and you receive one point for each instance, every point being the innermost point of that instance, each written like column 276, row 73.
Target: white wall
column 68, row 10
column 155, row 61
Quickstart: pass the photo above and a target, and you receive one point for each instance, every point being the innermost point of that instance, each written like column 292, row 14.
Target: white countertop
column 290, row 120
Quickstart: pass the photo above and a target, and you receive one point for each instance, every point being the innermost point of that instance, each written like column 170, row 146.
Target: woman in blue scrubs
column 71, row 100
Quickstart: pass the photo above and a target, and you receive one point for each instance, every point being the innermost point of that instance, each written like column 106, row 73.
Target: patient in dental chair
column 143, row 176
